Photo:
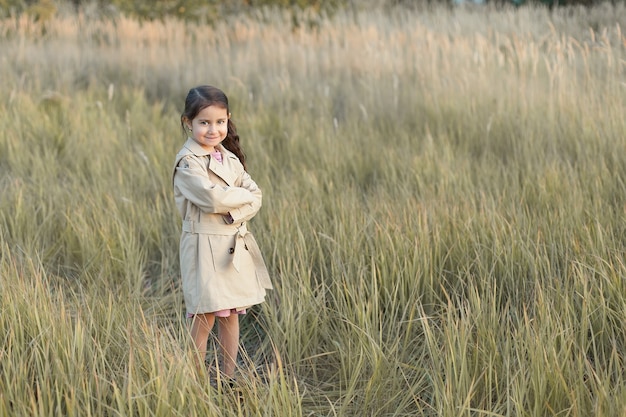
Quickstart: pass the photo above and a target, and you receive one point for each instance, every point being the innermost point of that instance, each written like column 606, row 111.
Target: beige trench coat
column 221, row 265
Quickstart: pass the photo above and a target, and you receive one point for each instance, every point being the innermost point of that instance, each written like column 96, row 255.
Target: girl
column 222, row 269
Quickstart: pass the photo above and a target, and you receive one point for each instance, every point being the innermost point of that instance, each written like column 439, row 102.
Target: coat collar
column 195, row 148
column 224, row 170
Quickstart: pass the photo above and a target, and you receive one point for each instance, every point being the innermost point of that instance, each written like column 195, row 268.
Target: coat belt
column 243, row 241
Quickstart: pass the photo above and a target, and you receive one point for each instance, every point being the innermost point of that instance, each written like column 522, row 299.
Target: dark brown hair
column 204, row 96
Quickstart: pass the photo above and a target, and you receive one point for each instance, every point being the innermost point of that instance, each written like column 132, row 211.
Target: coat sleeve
column 248, row 211
column 192, row 182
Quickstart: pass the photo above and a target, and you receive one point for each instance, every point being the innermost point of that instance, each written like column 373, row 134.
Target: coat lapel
column 223, row 170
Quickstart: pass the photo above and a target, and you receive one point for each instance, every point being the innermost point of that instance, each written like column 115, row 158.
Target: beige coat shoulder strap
column 183, row 153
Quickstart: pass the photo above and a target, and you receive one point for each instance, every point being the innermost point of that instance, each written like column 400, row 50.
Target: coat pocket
column 222, row 251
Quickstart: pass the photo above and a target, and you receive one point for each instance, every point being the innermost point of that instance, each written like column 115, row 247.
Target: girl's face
column 209, row 127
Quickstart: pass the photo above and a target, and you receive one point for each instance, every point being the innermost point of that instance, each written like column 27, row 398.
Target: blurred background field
column 444, row 210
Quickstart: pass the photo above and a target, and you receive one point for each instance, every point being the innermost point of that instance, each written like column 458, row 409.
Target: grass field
column 444, row 213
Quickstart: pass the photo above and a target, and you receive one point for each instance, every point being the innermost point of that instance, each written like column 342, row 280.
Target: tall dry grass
column 443, row 216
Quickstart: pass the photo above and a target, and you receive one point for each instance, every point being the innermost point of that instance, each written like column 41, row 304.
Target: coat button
column 231, row 250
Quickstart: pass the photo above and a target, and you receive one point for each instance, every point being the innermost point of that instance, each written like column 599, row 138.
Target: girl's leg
column 200, row 328
column 228, row 335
